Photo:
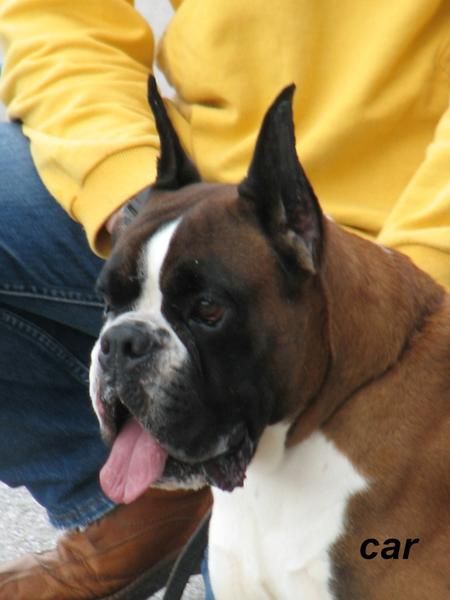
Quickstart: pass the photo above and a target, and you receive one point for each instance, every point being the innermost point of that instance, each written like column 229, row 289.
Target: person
column 373, row 129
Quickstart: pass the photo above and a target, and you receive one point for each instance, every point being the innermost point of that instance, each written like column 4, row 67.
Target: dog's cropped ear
column 175, row 169
column 276, row 184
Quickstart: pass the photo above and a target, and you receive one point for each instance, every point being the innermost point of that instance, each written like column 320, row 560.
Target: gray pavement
column 23, row 524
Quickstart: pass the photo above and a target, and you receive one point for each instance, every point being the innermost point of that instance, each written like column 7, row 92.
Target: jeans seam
column 92, row 509
column 52, row 294
column 47, row 343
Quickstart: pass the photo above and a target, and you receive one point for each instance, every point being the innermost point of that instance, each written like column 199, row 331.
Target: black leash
column 189, row 561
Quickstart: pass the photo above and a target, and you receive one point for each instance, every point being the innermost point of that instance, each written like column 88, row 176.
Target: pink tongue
column 136, row 461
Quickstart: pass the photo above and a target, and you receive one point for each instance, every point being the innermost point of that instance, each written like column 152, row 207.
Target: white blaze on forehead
column 147, row 309
column 153, row 258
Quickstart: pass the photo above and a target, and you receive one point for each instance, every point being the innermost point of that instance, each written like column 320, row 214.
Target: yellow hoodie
column 371, row 108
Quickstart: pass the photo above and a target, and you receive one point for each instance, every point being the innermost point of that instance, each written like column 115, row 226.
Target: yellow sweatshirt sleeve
column 419, row 224
column 75, row 74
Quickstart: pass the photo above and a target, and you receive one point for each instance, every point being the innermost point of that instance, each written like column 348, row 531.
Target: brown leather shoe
column 126, row 554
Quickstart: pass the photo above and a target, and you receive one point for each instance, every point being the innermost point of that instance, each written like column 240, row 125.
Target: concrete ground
column 23, row 524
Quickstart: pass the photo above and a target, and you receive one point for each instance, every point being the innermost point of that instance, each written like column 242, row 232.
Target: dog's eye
column 208, row 312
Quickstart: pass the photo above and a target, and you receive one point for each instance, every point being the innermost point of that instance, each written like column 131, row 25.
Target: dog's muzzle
column 123, row 346
column 147, row 401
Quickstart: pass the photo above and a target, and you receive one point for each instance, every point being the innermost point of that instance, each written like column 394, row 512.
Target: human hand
column 126, row 213
column 112, row 221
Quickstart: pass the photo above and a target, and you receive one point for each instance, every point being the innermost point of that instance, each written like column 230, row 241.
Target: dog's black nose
column 126, row 343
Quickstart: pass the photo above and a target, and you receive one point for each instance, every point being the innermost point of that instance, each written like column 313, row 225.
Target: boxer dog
column 253, row 345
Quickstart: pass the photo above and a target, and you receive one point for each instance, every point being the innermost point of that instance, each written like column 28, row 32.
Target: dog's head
column 211, row 301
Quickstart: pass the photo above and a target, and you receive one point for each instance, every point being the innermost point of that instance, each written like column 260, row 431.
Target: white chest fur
column 270, row 539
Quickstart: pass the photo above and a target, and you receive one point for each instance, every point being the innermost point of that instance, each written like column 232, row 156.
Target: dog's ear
column 276, row 184
column 175, row 169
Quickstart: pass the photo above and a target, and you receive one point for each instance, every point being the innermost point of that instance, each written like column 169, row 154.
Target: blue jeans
column 49, row 319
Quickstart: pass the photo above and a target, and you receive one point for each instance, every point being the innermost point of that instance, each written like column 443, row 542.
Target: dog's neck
column 376, row 300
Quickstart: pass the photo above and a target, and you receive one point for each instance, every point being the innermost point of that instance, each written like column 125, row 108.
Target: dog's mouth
column 139, row 460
